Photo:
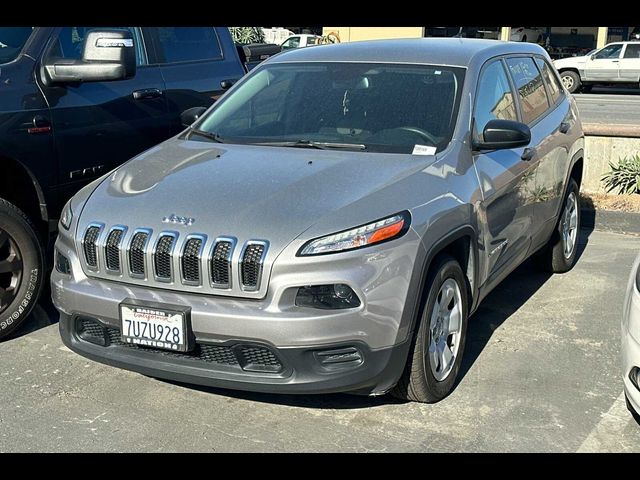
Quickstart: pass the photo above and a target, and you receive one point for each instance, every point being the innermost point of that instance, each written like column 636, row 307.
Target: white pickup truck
column 616, row 63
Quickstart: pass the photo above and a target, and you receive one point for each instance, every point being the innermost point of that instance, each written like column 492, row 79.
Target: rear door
column 99, row 125
column 603, row 65
column 197, row 63
column 630, row 63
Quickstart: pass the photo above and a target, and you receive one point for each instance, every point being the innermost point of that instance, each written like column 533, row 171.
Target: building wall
column 353, row 34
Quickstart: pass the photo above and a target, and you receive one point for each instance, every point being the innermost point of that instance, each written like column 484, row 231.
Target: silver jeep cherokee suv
column 331, row 223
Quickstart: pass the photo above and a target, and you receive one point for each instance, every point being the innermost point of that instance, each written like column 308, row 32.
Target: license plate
column 155, row 325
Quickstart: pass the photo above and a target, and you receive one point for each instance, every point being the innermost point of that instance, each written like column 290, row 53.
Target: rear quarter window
column 530, row 86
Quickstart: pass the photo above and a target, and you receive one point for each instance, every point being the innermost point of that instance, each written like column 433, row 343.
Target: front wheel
column 570, row 80
column 436, row 355
column 21, row 268
column 559, row 255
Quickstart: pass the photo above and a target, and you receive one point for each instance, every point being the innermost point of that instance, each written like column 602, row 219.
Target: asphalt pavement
column 541, row 373
column 608, row 105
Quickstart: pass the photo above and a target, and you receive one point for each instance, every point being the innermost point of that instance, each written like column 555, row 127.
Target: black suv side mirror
column 108, row 55
column 502, row 134
column 189, row 116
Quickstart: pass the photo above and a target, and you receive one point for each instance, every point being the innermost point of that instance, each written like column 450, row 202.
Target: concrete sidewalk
column 541, row 373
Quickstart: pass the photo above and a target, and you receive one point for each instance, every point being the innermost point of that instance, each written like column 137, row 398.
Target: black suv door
column 99, row 125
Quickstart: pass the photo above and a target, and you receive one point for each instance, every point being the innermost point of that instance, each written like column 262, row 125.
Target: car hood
column 243, row 191
column 570, row 62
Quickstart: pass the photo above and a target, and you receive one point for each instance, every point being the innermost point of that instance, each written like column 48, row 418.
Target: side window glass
column 189, row 44
column 632, row 51
column 550, row 80
column 611, row 51
column 528, row 81
column 70, row 43
column 494, row 98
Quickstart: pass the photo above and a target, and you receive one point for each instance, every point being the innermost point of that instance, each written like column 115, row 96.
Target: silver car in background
column 331, row 223
column 631, row 342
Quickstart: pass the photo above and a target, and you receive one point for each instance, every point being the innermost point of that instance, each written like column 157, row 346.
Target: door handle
column 225, row 84
column 564, row 127
column 528, row 154
column 615, row 61
column 147, row 93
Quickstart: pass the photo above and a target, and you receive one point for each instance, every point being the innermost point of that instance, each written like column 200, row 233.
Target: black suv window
column 12, row 39
column 528, row 80
column 494, row 99
column 632, row 51
column 188, row 44
column 550, row 79
column 70, row 42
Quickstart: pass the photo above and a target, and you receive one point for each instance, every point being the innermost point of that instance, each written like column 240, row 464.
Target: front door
column 603, row 65
column 630, row 64
column 505, row 179
column 99, row 125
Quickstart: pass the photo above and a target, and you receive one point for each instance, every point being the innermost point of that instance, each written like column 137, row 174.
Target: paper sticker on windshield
column 423, row 150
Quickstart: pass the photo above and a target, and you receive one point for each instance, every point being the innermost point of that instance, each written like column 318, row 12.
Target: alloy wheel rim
column 567, row 81
column 10, row 270
column 570, row 225
column 445, row 330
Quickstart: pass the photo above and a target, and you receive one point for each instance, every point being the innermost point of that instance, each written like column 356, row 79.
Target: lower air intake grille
column 191, row 260
column 162, row 256
column 112, row 249
column 136, row 253
column 259, row 359
column 221, row 265
column 251, row 268
column 90, row 253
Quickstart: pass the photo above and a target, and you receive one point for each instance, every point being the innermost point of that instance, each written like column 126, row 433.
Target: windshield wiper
column 211, row 136
column 312, row 144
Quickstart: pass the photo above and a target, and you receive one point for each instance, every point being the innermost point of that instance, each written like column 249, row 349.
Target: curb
column 611, row 130
column 610, row 221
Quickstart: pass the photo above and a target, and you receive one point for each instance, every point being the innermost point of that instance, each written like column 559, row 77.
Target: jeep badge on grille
column 173, row 218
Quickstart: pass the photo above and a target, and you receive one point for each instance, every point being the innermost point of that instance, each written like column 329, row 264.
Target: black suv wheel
column 21, row 267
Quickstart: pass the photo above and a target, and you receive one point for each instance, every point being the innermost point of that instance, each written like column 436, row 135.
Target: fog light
column 327, row 297
column 62, row 264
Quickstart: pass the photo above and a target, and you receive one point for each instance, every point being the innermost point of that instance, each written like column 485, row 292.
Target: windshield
column 12, row 39
column 372, row 107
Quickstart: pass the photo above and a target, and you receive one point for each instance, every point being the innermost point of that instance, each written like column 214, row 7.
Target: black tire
column 552, row 256
column 418, row 382
column 574, row 83
column 20, row 250
column 634, row 414
column 524, row 38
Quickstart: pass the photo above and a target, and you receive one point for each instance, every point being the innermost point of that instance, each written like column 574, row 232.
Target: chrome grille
column 136, row 253
column 221, row 263
column 168, row 259
column 162, row 256
column 251, row 268
column 112, row 249
column 90, row 253
column 190, row 261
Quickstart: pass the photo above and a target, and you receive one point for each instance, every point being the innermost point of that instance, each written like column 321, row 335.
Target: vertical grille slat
column 190, row 261
column 112, row 249
column 162, row 256
column 221, row 264
column 90, row 252
column 251, row 267
column 136, row 253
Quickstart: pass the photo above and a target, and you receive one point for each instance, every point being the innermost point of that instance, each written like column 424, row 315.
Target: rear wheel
column 436, row 355
column 559, row 255
column 570, row 80
column 21, row 267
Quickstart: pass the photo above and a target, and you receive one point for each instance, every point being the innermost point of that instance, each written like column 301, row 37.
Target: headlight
column 375, row 232
column 67, row 216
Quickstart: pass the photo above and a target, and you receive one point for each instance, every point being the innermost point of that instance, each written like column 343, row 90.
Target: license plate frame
column 155, row 315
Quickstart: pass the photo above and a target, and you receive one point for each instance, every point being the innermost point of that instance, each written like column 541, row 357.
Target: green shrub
column 247, row 34
column 624, row 177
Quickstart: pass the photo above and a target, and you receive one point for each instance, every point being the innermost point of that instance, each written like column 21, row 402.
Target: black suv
column 75, row 102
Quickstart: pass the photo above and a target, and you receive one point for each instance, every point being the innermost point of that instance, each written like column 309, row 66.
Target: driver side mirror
column 503, row 134
column 107, row 55
column 189, row 116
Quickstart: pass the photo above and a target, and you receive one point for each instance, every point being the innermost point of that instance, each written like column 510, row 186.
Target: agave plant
column 623, row 177
column 247, row 34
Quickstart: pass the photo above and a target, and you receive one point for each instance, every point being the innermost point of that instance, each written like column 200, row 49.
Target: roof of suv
column 437, row 51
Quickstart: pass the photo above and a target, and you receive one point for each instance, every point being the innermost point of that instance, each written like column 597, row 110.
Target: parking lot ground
column 541, row 373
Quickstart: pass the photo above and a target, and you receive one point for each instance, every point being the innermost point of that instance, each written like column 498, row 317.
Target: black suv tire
column 21, row 267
